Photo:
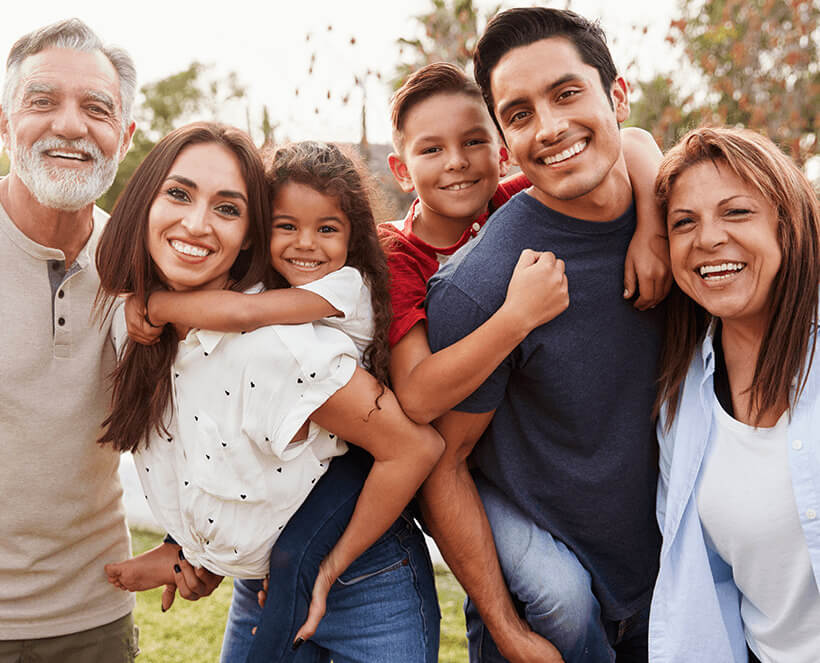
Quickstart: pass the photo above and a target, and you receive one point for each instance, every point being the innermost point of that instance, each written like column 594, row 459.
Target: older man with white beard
column 66, row 121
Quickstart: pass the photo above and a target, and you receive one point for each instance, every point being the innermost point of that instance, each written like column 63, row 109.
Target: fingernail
column 177, row 569
column 181, row 556
column 626, row 293
column 297, row 643
column 163, row 608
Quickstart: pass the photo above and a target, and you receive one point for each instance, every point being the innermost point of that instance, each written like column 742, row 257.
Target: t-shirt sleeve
column 452, row 315
column 408, row 289
column 286, row 385
column 341, row 289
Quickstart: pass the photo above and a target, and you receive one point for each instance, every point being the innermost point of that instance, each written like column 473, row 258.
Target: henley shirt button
column 60, row 294
column 61, row 321
column 476, row 226
column 797, row 445
column 811, row 514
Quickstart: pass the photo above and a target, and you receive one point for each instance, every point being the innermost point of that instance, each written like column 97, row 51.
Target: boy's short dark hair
column 435, row 78
column 526, row 25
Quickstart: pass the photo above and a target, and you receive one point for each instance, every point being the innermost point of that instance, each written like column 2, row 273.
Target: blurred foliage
column 758, row 62
column 168, row 103
column 4, row 163
column 450, row 33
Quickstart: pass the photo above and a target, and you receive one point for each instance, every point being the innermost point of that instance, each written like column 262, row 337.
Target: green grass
column 191, row 632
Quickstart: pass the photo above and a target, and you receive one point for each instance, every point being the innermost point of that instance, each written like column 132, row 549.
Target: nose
column 457, row 160
column 196, row 220
column 551, row 124
column 68, row 122
column 305, row 239
column 711, row 234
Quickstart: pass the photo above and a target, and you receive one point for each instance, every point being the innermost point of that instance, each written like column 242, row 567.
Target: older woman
column 739, row 406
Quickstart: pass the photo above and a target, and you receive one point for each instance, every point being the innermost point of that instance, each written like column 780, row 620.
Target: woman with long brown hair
column 215, row 420
column 739, row 406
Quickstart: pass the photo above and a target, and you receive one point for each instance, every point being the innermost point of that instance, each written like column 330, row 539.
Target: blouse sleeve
column 341, row 289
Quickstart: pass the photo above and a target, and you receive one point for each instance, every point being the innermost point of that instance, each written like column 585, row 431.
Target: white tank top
column 749, row 516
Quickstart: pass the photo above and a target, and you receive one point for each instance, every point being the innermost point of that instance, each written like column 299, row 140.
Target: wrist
column 151, row 315
column 514, row 325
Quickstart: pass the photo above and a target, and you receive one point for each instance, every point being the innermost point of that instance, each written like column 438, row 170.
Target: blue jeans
column 553, row 592
column 383, row 608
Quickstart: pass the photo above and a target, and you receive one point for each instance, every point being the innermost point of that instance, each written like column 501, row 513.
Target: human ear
column 619, row 93
column 503, row 161
column 400, row 172
column 126, row 139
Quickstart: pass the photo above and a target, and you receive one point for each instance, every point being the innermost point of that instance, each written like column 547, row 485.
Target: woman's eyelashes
column 225, row 209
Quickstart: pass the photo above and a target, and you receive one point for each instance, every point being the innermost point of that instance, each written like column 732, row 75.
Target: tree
column 758, row 60
column 450, row 34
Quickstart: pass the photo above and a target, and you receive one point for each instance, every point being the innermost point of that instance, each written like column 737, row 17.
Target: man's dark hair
column 526, row 25
column 432, row 79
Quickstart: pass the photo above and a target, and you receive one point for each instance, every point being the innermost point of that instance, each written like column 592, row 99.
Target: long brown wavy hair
column 787, row 349
column 329, row 170
column 142, row 380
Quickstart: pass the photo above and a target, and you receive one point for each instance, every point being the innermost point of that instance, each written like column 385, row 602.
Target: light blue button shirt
column 695, row 613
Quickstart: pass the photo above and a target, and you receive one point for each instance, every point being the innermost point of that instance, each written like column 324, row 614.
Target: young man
column 560, row 439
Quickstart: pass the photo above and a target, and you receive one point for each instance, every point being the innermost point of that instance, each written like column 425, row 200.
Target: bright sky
column 267, row 45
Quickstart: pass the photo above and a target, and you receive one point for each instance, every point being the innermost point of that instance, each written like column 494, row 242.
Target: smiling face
column 560, row 124
column 310, row 234
column 723, row 243
column 64, row 128
column 452, row 157
column 198, row 223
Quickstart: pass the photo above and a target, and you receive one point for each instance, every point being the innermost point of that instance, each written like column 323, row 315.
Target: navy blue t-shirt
column 572, row 442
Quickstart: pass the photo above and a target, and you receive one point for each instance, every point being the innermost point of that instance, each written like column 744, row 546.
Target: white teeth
column 189, row 250
column 566, row 154
column 304, row 263
column 458, row 186
column 67, row 155
column 706, row 271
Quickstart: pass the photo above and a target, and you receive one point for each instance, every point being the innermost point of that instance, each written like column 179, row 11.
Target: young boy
column 449, row 151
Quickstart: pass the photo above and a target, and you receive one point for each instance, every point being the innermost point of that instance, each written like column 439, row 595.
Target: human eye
column 681, row 222
column 433, row 149
column 568, row 93
column 518, row 117
column 476, row 141
column 738, row 212
column 327, row 228
column 283, row 226
column 96, row 109
column 178, row 193
column 229, row 209
column 41, row 102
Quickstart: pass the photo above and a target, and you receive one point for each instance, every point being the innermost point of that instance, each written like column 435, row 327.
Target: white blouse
column 226, row 478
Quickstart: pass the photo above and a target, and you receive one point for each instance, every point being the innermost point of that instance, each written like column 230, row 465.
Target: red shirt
column 413, row 261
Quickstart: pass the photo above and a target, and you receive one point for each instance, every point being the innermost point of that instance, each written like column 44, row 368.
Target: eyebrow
column 226, row 193
column 321, row 218
column 38, row 88
column 720, row 202
column 566, row 78
column 103, row 98
column 435, row 138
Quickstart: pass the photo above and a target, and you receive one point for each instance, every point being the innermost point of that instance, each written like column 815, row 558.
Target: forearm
column 642, row 160
column 403, row 452
column 453, row 512
column 442, row 380
column 224, row 310
column 388, row 489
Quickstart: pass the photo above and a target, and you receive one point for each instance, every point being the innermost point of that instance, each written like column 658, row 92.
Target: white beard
column 53, row 186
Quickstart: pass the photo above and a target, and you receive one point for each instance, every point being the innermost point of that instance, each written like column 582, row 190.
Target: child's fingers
column 169, row 593
column 315, row 614
column 262, row 594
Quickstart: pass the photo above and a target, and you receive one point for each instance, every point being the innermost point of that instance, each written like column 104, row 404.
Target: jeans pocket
column 364, row 576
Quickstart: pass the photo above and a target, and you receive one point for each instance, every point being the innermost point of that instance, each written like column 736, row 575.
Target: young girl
column 216, row 421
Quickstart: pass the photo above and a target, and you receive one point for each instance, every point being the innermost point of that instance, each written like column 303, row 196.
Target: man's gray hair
column 71, row 33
